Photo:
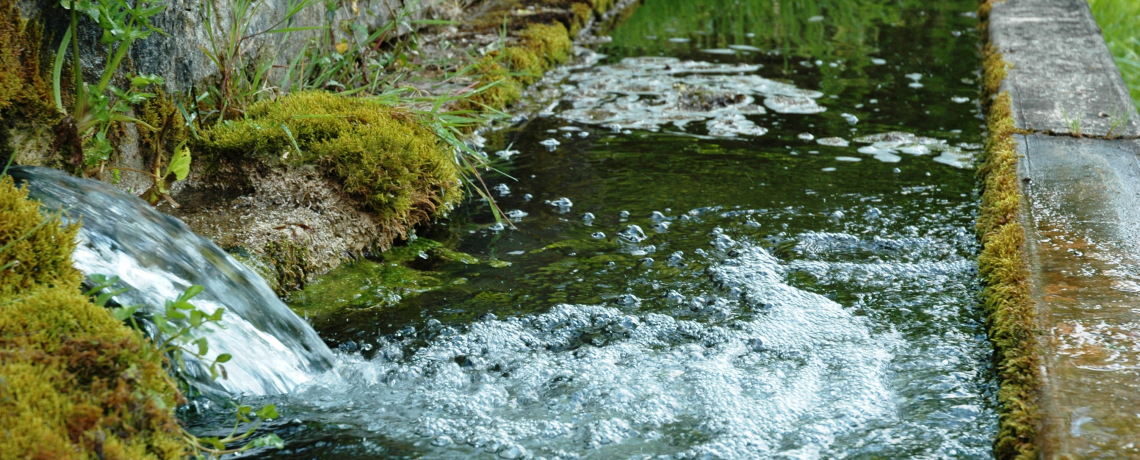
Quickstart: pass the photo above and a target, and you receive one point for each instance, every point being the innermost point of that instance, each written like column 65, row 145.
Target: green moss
column 384, row 156
column 24, row 91
column 540, row 47
column 1010, row 312
column 74, row 382
column 170, row 128
column 290, row 262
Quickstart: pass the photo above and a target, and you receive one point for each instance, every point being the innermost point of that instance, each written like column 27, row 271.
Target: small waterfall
column 158, row 257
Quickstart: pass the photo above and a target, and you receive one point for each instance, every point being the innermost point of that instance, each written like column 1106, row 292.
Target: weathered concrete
column 1061, row 69
column 1081, row 213
column 1083, row 242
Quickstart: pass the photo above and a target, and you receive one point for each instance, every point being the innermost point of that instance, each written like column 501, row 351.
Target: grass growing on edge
column 1118, row 22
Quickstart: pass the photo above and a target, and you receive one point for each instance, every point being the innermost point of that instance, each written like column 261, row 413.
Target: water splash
column 158, row 257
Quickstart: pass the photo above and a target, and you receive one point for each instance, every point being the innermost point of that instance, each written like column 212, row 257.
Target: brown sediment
column 1010, row 312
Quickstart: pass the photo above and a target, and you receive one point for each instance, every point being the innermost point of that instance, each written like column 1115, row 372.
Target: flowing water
column 158, row 257
column 741, row 230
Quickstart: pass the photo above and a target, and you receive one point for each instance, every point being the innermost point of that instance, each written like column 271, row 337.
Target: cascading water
column 158, row 257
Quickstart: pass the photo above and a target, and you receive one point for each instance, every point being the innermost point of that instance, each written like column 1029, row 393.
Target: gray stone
column 177, row 56
column 1061, row 69
column 1082, row 220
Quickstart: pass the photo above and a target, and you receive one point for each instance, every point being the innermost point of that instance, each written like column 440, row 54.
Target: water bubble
column 528, row 197
column 914, row 76
column 848, row 159
column 833, row 142
column 629, row 300
column 513, row 452
column 442, row 441
column 806, row 136
column 568, row 135
column 588, row 217
column 878, row 61
column 624, row 214
column 896, row 170
column 497, row 226
column 872, row 213
column 584, row 134
column 888, row 158
column 815, row 19
column 676, row 258
column 827, row 169
column 503, row 189
column 959, row 99
column 550, row 143
column 647, row 262
column 657, row 216
column 852, row 119
column 563, row 202
column 506, row 154
column 516, row 214
column 661, row 227
column 633, row 234
column 679, row 40
column 837, row 215
column 598, row 235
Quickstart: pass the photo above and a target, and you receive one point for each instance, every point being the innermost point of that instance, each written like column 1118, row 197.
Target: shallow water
column 697, row 268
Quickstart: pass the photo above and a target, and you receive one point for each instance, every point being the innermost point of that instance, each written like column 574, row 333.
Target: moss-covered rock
column 383, row 155
column 539, row 48
column 74, row 381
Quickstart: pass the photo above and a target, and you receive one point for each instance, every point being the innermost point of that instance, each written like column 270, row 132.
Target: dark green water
column 788, row 299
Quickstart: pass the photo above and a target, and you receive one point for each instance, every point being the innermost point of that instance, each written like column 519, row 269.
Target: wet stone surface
column 1083, row 217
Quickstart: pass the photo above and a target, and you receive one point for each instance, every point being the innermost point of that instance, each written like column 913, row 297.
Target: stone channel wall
column 1060, row 213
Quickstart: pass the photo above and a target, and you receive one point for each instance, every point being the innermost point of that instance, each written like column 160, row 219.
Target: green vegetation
column 1010, row 312
column 384, row 155
column 74, row 381
column 821, row 29
column 1117, row 20
column 504, row 73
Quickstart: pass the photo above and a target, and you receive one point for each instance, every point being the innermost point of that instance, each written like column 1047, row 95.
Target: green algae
column 75, row 383
column 401, row 272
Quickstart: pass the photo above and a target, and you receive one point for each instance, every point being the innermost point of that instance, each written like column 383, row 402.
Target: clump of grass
column 1010, row 312
column 1117, row 20
column 385, row 156
column 76, row 383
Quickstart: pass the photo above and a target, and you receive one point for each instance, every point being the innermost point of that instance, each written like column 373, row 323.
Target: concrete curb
column 1080, row 207
column 1061, row 69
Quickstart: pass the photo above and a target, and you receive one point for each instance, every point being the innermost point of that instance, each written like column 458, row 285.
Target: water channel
column 744, row 229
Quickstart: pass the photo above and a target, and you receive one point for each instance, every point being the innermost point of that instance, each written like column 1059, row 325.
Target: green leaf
column 269, row 411
column 180, row 167
column 223, row 358
column 269, row 440
column 203, row 346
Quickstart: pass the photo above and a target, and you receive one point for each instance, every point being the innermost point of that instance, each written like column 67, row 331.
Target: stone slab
column 1061, row 69
column 1082, row 220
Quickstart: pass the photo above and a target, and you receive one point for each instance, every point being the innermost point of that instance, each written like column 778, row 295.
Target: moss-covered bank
column 1010, row 312
column 75, row 383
